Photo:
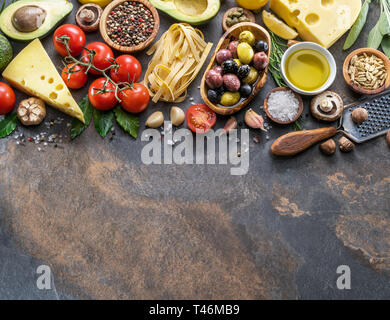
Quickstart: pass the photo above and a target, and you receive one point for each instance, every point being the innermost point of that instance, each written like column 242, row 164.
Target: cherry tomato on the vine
column 200, row 118
column 7, row 98
column 76, row 39
column 136, row 99
column 129, row 69
column 103, row 58
column 74, row 76
column 102, row 99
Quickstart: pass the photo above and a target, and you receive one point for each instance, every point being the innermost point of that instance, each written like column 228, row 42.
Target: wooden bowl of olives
column 236, row 15
column 238, row 69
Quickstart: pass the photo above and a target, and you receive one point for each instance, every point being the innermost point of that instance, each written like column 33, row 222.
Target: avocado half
column 191, row 11
column 56, row 11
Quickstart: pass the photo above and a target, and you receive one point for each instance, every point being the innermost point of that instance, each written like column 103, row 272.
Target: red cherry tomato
column 200, row 118
column 102, row 100
column 135, row 100
column 76, row 39
column 129, row 69
column 7, row 98
column 74, row 76
column 102, row 58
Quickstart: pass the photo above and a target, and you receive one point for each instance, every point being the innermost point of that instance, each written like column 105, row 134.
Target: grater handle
column 295, row 142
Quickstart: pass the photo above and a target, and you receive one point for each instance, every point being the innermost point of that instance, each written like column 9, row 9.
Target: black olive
column 243, row 71
column 230, row 66
column 261, row 46
column 213, row 96
column 246, row 90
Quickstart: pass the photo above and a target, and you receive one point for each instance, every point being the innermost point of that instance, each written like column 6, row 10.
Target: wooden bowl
column 248, row 13
column 353, row 86
column 141, row 46
column 300, row 110
column 231, row 35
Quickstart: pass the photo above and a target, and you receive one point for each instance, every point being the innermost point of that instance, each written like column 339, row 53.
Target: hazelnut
column 359, row 115
column 346, row 145
column 328, row 147
column 388, row 138
column 31, row 111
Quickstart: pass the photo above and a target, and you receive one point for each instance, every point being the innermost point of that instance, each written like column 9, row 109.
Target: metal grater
column 377, row 124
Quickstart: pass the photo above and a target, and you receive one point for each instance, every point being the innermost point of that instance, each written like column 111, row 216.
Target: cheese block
column 33, row 72
column 320, row 21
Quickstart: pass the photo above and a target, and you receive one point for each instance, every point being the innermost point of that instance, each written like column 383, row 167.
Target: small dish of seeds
column 129, row 26
column 237, row 15
column 367, row 71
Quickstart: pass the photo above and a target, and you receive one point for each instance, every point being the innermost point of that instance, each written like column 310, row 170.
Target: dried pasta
column 178, row 57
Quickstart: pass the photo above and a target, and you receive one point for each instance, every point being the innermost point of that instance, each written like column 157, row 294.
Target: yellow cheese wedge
column 320, row 21
column 32, row 72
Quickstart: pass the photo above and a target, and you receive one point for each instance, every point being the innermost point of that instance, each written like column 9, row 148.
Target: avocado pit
column 28, row 18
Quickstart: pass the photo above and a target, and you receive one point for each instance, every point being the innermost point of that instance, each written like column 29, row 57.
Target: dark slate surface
column 111, row 227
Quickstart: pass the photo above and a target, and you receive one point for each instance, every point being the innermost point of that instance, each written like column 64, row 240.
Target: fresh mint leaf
column 8, row 125
column 77, row 126
column 103, row 120
column 128, row 122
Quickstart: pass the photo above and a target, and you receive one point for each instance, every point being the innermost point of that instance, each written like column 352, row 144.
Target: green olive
column 230, row 98
column 238, row 62
column 245, row 53
column 248, row 37
column 252, row 77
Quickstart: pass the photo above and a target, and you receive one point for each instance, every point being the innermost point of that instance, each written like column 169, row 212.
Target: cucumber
column 5, row 52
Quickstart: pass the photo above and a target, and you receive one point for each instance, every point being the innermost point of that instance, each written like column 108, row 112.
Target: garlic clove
column 177, row 116
column 155, row 120
column 231, row 124
column 254, row 120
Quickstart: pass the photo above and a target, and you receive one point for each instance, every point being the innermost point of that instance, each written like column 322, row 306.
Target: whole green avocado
column 194, row 12
column 25, row 20
column 6, row 53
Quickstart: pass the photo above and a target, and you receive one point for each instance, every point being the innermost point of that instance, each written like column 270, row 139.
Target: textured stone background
column 111, row 227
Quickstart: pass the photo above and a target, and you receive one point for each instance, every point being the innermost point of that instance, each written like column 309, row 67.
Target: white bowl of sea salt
column 283, row 106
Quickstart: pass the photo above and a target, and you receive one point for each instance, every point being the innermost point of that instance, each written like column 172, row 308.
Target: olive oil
column 307, row 69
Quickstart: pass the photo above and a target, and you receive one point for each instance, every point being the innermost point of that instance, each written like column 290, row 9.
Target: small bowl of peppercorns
column 129, row 26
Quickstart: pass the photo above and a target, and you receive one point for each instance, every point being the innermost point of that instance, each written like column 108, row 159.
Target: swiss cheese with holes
column 33, row 72
column 320, row 21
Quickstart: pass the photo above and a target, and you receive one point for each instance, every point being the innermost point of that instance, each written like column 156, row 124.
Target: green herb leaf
column 103, row 120
column 358, row 26
column 384, row 26
column 128, row 122
column 375, row 37
column 8, row 125
column 386, row 45
column 77, row 126
column 277, row 52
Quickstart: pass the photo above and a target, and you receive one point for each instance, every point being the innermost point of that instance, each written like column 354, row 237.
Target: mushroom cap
column 335, row 101
column 89, row 26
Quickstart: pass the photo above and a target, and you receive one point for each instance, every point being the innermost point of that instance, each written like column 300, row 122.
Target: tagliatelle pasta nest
column 178, row 57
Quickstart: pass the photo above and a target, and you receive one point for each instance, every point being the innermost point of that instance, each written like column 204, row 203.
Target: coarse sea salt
column 283, row 105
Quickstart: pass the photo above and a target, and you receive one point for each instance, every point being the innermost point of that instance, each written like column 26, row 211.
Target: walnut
column 328, row 147
column 359, row 115
column 346, row 145
column 31, row 111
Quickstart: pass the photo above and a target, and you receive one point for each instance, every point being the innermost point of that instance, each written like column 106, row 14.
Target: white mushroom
column 327, row 106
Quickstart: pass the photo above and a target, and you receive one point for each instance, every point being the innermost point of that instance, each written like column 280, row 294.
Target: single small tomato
column 74, row 76
column 200, row 118
column 136, row 99
column 103, row 56
column 101, row 94
column 129, row 69
column 7, row 98
column 76, row 39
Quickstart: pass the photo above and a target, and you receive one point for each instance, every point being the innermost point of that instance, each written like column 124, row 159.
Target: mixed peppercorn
column 130, row 24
